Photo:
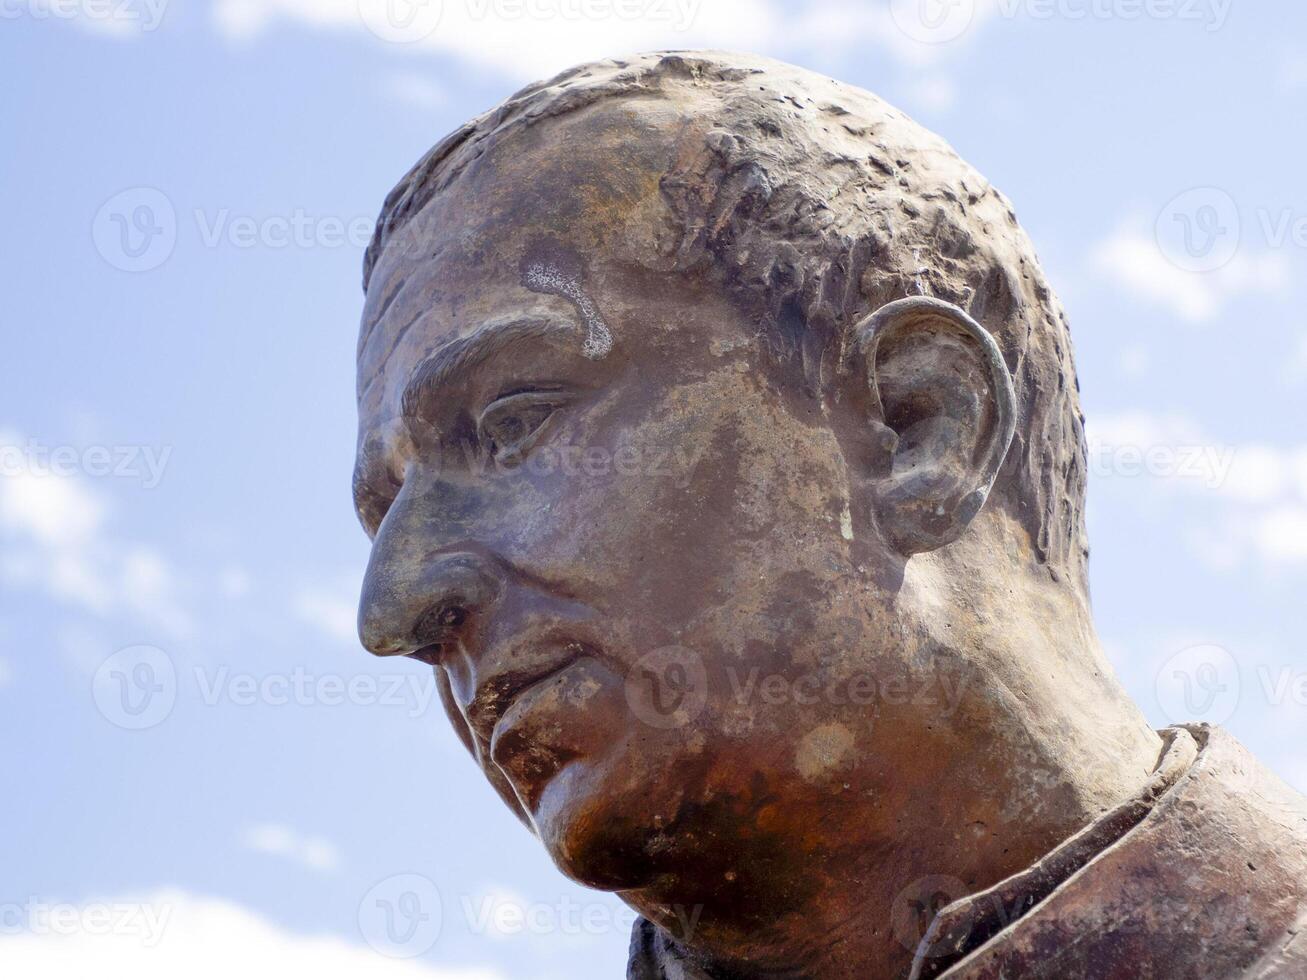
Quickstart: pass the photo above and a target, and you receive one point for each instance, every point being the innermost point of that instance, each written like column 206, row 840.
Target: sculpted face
column 661, row 577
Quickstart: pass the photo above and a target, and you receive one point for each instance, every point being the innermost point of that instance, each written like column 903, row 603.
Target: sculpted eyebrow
column 448, row 365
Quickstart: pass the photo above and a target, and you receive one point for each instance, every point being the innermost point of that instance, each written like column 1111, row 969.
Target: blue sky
column 186, row 190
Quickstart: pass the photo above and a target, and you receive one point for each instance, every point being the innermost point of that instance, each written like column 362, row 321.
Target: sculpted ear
column 946, row 407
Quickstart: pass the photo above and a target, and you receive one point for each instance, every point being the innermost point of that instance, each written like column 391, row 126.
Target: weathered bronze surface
column 721, row 450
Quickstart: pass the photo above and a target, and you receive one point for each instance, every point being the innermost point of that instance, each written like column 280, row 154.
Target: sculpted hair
column 817, row 203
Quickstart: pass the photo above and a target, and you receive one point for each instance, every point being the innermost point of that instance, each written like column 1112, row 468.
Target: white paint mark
column 846, row 523
column 541, row 278
column 916, row 258
column 825, row 751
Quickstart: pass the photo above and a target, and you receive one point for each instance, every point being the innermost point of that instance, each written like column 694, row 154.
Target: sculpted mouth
column 499, row 692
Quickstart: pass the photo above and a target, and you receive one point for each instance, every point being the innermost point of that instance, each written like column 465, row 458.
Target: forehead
column 578, row 194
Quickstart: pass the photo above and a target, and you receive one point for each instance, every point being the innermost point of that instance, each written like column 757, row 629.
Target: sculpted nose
column 412, row 601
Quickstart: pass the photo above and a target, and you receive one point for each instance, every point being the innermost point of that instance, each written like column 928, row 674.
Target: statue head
column 721, row 451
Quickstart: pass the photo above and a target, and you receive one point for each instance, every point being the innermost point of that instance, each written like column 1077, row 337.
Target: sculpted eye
column 509, row 425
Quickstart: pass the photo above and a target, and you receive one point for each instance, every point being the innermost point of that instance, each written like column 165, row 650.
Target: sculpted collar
column 1203, row 874
column 970, row 922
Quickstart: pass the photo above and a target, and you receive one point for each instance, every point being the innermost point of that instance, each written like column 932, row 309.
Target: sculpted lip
column 497, row 694
column 431, row 654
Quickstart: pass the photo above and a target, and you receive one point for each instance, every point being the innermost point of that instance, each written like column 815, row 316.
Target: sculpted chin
column 720, row 447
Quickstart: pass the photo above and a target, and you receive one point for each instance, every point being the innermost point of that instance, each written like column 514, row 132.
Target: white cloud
column 1218, row 546
column 332, row 611
column 523, row 40
column 1168, row 449
column 1293, row 769
column 56, row 511
column 1274, row 540
column 528, row 39
column 315, row 853
column 234, row 582
column 934, row 93
column 240, row 20
column 1293, row 72
column 1260, row 474
column 146, row 586
column 1133, row 360
column 1248, row 473
column 843, row 27
column 51, row 527
column 82, row 648
column 1141, row 428
column 414, row 89
column 173, row 934
column 1133, row 261
column 1261, row 490
column 55, row 539
column 909, row 30
column 1281, row 534
column 1298, row 359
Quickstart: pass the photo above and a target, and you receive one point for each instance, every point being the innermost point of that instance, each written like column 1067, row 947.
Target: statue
column 721, row 449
